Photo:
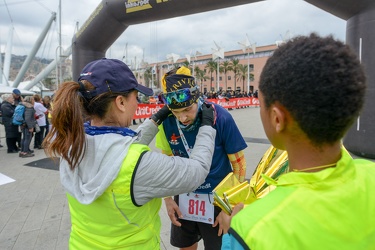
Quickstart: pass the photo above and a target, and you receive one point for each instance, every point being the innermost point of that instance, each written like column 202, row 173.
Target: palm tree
column 225, row 67
column 200, row 76
column 235, row 63
column 176, row 66
column 242, row 75
column 212, row 67
column 186, row 64
column 218, row 73
column 147, row 75
column 196, row 69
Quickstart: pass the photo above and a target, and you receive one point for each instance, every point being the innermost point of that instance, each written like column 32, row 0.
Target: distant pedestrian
column 48, row 106
column 17, row 99
column 28, row 127
column 1, row 122
column 11, row 131
column 17, row 96
column 40, row 115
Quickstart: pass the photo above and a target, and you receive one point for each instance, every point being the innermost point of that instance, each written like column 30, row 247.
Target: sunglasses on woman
column 181, row 95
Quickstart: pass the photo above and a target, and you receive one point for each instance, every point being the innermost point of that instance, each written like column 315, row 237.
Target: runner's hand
column 161, row 115
column 172, row 210
column 208, row 114
column 223, row 219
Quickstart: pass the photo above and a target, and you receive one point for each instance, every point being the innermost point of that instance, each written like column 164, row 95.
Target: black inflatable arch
column 112, row 17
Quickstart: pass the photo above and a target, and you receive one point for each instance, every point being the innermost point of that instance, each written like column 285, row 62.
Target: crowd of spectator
column 35, row 125
column 227, row 94
column 221, row 94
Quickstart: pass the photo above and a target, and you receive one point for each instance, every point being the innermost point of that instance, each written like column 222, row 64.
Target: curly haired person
column 311, row 91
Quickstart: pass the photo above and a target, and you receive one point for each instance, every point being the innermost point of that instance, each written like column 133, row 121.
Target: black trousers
column 38, row 140
column 19, row 141
column 12, row 144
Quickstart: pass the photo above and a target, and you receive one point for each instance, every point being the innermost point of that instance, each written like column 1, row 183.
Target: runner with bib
column 192, row 214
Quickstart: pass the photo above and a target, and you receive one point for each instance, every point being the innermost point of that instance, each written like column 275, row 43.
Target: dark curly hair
column 320, row 81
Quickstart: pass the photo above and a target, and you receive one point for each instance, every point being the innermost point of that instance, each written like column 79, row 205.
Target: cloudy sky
column 264, row 23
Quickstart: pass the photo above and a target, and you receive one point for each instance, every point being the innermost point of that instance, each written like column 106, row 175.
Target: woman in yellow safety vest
column 114, row 183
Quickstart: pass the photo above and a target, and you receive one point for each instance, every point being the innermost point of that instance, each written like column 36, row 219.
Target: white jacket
column 156, row 175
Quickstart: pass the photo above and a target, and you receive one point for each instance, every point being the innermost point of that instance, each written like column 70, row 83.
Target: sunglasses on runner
column 181, row 95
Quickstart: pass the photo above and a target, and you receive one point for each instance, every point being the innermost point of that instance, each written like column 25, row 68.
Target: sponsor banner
column 146, row 110
column 137, row 5
column 236, row 102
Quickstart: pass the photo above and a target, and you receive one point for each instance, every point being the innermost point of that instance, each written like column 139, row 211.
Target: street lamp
column 172, row 58
column 246, row 46
column 57, row 65
column 188, row 58
column 217, row 53
column 40, row 85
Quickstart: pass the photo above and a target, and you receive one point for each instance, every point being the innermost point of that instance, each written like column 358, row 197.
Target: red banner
column 146, row 110
column 236, row 102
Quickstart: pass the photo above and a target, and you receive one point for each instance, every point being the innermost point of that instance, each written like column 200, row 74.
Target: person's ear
column 278, row 118
column 120, row 103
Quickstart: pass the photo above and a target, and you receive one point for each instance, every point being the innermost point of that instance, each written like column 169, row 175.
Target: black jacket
column 11, row 130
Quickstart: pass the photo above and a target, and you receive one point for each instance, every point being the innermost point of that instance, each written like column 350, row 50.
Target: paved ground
column 33, row 209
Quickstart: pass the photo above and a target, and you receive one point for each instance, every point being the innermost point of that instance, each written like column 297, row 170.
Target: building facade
column 207, row 78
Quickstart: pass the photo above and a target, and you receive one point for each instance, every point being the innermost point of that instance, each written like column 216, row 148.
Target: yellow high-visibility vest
column 113, row 221
column 330, row 209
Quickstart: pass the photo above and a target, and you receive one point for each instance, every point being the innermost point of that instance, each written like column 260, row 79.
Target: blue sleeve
column 230, row 243
column 228, row 132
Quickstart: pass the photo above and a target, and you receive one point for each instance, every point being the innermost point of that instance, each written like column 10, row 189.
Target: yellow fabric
column 161, row 141
column 113, row 221
column 273, row 163
column 49, row 113
column 183, row 71
column 180, row 71
column 238, row 163
column 329, row 209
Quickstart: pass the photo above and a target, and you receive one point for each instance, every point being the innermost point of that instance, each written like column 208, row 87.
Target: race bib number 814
column 197, row 207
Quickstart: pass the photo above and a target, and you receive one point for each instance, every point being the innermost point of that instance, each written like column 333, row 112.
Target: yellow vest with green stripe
column 330, row 209
column 113, row 221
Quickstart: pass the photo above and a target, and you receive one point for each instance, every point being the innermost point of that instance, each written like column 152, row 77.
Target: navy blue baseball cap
column 16, row 92
column 111, row 75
